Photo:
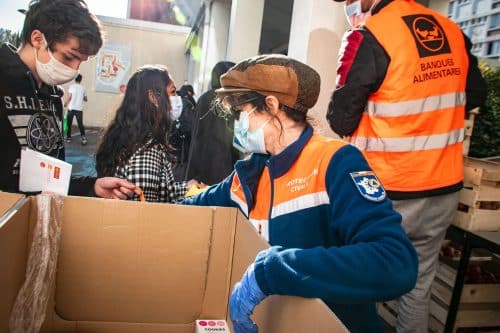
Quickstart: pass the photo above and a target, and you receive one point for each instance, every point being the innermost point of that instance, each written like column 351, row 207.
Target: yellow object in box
column 194, row 190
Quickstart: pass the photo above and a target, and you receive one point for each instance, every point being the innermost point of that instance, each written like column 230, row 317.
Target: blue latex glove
column 246, row 295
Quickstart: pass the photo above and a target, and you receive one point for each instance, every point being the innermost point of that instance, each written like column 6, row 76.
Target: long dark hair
column 137, row 119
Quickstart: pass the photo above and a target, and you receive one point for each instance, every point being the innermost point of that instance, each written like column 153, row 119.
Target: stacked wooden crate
column 479, row 208
column 388, row 312
column 479, row 309
column 480, row 301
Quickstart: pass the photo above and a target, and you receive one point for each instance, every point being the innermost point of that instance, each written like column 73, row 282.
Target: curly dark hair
column 61, row 19
column 137, row 119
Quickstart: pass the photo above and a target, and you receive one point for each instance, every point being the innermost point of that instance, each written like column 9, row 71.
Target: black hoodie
column 211, row 154
column 29, row 117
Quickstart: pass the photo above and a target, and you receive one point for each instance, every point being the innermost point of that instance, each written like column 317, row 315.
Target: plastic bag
column 28, row 312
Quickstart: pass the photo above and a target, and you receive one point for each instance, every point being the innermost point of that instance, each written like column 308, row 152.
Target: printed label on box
column 212, row 326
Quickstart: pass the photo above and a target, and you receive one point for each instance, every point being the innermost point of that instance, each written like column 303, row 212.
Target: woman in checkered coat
column 134, row 146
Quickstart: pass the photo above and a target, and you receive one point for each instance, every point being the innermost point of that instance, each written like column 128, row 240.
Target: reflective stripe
column 413, row 143
column 428, row 104
column 241, row 203
column 299, row 203
column 262, row 227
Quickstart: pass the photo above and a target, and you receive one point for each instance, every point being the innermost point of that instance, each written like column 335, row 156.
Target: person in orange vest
column 333, row 232
column 404, row 80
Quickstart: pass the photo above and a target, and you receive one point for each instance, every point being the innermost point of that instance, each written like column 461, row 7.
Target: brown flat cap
column 295, row 84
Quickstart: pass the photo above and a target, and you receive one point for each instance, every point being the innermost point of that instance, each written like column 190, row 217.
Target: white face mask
column 246, row 141
column 176, row 104
column 355, row 15
column 54, row 72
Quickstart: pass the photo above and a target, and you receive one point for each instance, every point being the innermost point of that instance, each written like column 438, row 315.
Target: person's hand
column 114, row 188
column 194, row 182
column 246, row 295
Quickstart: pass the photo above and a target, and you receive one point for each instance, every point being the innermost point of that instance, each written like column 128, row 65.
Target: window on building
column 170, row 12
column 493, row 33
column 450, row 8
column 494, row 48
column 495, row 21
column 477, row 33
column 464, row 10
column 482, row 6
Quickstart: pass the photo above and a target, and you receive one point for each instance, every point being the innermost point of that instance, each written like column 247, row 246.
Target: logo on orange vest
column 430, row 38
column 298, row 184
column 368, row 185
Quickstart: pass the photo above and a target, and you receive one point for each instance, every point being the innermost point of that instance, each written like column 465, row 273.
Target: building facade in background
column 177, row 12
column 480, row 21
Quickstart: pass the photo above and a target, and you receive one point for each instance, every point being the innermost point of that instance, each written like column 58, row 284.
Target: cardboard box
column 140, row 267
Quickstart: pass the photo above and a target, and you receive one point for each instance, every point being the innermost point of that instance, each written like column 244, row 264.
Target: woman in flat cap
column 332, row 230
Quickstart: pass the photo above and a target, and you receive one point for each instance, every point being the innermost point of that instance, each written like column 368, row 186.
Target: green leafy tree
column 485, row 141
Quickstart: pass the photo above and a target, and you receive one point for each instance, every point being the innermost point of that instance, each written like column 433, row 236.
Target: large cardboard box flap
column 14, row 227
column 135, row 267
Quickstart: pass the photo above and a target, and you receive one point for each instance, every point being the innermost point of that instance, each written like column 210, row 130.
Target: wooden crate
column 479, row 208
column 387, row 312
column 479, row 304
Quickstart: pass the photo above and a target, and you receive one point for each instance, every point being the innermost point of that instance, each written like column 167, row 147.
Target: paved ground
column 83, row 157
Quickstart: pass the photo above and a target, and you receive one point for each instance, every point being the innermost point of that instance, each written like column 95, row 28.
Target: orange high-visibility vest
column 412, row 129
column 302, row 187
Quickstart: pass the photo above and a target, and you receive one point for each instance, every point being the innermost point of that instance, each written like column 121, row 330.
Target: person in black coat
column 211, row 154
column 187, row 91
column 180, row 137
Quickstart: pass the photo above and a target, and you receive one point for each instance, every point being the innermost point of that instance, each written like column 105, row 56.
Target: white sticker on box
column 212, row 326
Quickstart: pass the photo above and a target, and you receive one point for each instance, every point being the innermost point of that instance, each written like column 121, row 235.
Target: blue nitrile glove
column 246, row 295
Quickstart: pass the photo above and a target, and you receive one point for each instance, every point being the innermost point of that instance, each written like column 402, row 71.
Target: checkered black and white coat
column 150, row 169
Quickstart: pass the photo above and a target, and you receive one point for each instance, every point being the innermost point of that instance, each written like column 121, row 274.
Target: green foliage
column 8, row 36
column 485, row 141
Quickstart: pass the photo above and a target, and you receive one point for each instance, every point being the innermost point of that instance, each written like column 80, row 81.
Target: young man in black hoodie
column 57, row 36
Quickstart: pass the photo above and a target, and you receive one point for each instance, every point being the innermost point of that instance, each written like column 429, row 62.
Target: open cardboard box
column 141, row 267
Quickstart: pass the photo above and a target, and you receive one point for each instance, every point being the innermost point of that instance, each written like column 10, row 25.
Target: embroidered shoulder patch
column 368, row 185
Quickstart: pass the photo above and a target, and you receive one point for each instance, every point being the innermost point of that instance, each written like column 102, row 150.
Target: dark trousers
column 79, row 120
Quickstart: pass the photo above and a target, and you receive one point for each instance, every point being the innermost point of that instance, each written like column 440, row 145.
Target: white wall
column 215, row 41
column 152, row 43
column 315, row 37
column 245, row 29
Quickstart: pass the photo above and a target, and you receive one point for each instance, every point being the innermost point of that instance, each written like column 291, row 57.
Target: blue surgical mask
column 355, row 14
column 245, row 141
column 176, row 104
column 353, row 9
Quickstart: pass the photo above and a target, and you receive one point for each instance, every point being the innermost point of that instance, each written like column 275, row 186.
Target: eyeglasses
column 235, row 100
